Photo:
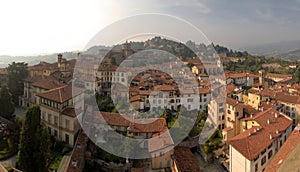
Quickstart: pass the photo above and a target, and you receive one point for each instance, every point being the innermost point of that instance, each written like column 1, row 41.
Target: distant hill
column 32, row 60
column 285, row 49
column 290, row 56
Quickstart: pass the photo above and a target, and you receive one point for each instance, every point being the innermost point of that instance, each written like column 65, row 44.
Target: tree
column 34, row 144
column 16, row 72
column 6, row 104
column 113, row 61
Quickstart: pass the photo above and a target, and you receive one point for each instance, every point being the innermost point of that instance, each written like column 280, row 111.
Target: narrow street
column 205, row 167
column 11, row 162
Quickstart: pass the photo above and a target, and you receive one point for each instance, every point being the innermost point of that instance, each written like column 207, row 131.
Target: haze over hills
column 284, row 50
column 287, row 50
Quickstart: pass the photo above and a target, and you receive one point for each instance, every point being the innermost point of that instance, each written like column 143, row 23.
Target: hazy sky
column 50, row 26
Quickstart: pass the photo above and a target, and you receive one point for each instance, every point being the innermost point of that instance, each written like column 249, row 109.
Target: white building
column 60, row 112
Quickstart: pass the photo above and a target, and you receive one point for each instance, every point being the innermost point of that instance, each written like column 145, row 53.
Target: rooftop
column 287, row 158
column 271, row 124
column 61, row 94
column 185, row 160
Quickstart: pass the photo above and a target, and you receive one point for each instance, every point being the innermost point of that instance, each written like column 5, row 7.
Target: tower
column 261, row 76
column 126, row 48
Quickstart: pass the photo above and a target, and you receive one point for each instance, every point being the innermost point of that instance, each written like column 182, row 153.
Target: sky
column 40, row 27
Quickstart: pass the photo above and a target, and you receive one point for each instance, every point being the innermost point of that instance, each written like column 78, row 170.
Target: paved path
column 11, row 162
column 64, row 163
column 206, row 167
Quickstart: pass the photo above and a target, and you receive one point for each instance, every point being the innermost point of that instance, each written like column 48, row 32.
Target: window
column 49, row 118
column 270, row 146
column 67, row 124
column 263, row 160
column 229, row 112
column 171, row 94
column 160, row 95
column 256, row 167
column 263, row 152
column 55, row 133
column 56, row 120
column 270, row 154
column 159, row 101
column 49, row 129
column 221, row 110
column 67, row 139
column 190, row 100
column 256, row 158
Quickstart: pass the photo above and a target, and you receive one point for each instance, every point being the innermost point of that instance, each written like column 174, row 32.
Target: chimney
column 262, row 109
column 268, row 121
column 277, row 131
column 276, row 115
column 271, row 137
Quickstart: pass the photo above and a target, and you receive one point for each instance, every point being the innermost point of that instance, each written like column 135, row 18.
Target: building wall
column 254, row 100
column 238, row 162
column 292, row 110
column 161, row 160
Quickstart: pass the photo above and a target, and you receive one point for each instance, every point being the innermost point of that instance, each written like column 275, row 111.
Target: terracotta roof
column 160, row 141
column 267, row 105
column 165, row 88
column 33, row 79
column 232, row 102
column 204, row 90
column 185, row 160
column 77, row 159
column 69, row 112
column 136, row 98
column 249, row 110
column 247, row 144
column 236, row 75
column 280, row 96
column 292, row 145
column 148, row 125
column 47, row 84
column 145, row 125
column 115, row 119
column 230, row 88
column 61, row 94
column 275, row 75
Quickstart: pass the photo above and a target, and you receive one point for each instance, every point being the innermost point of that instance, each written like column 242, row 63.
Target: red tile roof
column 280, row 96
column 247, row 145
column 69, row 112
column 275, row 75
column 77, row 158
column 185, row 160
column 232, row 102
column 148, row 125
column 61, row 94
column 160, row 141
column 285, row 151
column 47, row 84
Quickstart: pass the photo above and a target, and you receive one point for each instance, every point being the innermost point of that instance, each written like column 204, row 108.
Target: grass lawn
column 5, row 152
